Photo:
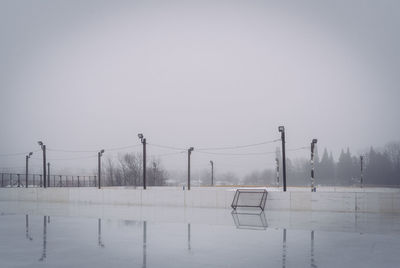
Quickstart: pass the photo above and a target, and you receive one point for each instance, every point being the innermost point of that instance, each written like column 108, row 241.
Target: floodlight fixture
column 140, row 135
column 314, row 141
column 31, row 153
column 40, row 143
column 281, row 129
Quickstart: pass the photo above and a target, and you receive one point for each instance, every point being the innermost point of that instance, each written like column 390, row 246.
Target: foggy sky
column 87, row 75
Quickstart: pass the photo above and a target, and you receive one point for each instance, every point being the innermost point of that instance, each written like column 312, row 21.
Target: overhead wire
column 166, row 147
column 241, row 154
column 16, row 154
column 237, row 146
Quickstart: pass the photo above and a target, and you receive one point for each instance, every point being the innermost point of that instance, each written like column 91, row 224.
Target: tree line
column 381, row 167
column 127, row 170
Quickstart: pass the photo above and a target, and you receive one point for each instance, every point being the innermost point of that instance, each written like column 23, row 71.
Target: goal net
column 249, row 198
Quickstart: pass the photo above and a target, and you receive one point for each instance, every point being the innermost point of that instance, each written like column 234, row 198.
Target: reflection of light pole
column 190, row 150
column 26, row 168
column 100, row 243
column 284, row 249
column 212, row 172
column 189, row 233
column 44, row 162
column 99, row 155
column 312, row 250
column 143, row 140
column 144, row 244
column 282, row 131
column 27, row 228
column 44, row 238
column 313, row 142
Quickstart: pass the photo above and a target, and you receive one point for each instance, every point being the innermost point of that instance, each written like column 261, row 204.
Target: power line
column 69, row 151
column 16, row 154
column 261, row 153
column 298, row 149
column 93, row 151
column 168, row 154
column 238, row 146
column 74, row 158
column 166, row 147
column 121, row 148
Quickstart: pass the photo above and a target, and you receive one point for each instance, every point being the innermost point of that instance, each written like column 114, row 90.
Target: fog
column 91, row 75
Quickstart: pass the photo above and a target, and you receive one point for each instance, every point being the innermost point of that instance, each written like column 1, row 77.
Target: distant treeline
column 380, row 167
column 128, row 171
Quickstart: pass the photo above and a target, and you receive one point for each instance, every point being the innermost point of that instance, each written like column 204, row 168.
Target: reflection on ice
column 249, row 219
column 196, row 238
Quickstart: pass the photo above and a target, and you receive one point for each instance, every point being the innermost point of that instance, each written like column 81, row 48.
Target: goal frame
column 261, row 204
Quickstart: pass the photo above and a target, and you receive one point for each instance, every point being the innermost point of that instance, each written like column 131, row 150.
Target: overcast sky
column 87, row 75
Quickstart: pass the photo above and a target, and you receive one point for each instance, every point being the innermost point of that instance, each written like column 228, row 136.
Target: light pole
column 212, row 172
column 44, row 162
column 277, row 171
column 143, row 140
column 99, row 155
column 282, row 131
column 26, row 168
column 361, row 170
column 48, row 174
column 190, row 150
column 313, row 142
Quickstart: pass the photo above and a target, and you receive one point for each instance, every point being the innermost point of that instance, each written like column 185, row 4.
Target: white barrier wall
column 218, row 197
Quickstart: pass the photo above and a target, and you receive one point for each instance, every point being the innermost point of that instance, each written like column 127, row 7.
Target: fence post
column 40, row 182
column 78, row 181
column 11, row 185
column 33, row 179
column 2, row 175
column 19, row 182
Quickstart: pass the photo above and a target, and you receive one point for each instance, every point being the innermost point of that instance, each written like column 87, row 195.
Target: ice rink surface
column 65, row 235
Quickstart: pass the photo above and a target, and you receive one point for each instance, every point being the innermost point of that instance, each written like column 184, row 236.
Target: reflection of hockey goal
column 249, row 198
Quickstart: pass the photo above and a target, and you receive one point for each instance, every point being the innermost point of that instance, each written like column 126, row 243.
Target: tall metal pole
column 26, row 171
column 277, row 171
column 212, row 173
column 99, row 154
column 144, row 163
column 282, row 131
column 189, row 153
column 313, row 142
column 361, row 170
column 143, row 140
column 48, row 174
column 44, row 165
column 26, row 168
column 44, row 162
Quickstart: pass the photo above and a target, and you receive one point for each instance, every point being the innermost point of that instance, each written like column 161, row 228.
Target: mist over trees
column 381, row 167
column 128, row 171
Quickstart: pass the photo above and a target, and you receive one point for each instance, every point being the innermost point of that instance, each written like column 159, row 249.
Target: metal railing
column 36, row 180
